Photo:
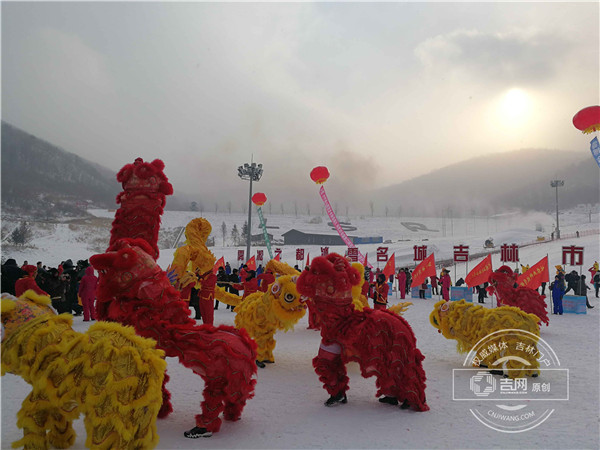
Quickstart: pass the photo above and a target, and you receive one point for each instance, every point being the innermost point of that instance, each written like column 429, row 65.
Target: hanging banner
column 264, row 230
column 595, row 148
column 336, row 224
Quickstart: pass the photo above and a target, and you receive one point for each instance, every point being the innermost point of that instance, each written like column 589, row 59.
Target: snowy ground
column 288, row 411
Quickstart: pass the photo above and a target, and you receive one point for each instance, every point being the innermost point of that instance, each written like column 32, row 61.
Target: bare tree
column 229, row 206
column 308, row 209
column 270, row 207
column 216, row 208
column 282, row 211
column 386, row 211
column 224, row 232
column 372, row 206
column 235, row 235
column 296, row 208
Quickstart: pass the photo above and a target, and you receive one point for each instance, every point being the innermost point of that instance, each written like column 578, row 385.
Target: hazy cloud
column 516, row 56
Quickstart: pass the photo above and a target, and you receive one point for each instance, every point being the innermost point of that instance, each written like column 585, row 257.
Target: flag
column 219, row 263
column 390, row 267
column 307, row 258
column 366, row 263
column 425, row 269
column 480, row 273
column 277, row 257
column 251, row 263
column 537, row 274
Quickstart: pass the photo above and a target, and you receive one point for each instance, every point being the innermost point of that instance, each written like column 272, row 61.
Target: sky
column 378, row 93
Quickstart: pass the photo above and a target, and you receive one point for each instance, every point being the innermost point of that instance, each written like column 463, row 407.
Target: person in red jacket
column 28, row 281
column 87, row 293
column 249, row 285
column 446, row 283
column 206, row 296
column 380, row 294
column 402, row 283
column 266, row 278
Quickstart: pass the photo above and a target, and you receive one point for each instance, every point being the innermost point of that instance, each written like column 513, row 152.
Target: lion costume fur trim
column 263, row 313
column 468, row 324
column 109, row 374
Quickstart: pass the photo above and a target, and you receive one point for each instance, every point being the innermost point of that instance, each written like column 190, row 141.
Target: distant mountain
column 38, row 176
column 43, row 180
column 488, row 184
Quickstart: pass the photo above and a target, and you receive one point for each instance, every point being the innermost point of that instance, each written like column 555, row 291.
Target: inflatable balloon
column 259, row 199
column 319, row 174
column 588, row 119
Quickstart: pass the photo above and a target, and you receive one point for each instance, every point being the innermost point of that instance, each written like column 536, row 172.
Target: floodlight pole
column 251, row 172
column 555, row 184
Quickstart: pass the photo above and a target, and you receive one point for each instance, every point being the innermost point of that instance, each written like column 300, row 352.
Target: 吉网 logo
column 511, row 381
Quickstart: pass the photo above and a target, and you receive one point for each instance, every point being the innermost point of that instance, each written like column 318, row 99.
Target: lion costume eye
column 289, row 297
column 445, row 307
column 294, row 278
column 275, row 288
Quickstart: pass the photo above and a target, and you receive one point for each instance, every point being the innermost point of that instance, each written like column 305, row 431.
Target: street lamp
column 555, row 184
column 251, row 172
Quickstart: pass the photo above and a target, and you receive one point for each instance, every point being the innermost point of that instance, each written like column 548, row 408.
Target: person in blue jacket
column 558, row 290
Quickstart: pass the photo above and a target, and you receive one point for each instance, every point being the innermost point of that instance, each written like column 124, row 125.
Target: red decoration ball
column 319, row 174
column 259, row 199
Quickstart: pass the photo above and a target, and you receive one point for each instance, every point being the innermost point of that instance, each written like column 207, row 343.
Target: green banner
column 264, row 228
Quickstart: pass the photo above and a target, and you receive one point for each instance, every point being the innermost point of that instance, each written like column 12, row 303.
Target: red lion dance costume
column 502, row 284
column 382, row 342
column 134, row 290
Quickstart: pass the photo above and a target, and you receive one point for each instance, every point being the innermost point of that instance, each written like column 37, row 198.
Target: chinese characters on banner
column 259, row 255
column 420, row 252
column 299, row 254
column 353, row 254
column 509, row 253
column 324, row 251
column 382, row 254
column 241, row 255
column 576, row 254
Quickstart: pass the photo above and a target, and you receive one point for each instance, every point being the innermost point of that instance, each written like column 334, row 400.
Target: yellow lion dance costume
column 109, row 374
column 263, row 313
column 469, row 324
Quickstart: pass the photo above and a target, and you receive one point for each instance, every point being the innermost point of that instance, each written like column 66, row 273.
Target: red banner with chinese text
column 480, row 273
column 536, row 275
column 425, row 269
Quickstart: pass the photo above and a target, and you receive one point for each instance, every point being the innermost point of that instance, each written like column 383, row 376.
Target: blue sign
column 574, row 304
column 595, row 149
column 460, row 292
column 414, row 292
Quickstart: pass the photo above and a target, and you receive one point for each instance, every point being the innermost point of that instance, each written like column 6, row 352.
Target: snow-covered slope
column 288, row 411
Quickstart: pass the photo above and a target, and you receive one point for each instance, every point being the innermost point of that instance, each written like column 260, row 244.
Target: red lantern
column 259, row 199
column 588, row 119
column 319, row 174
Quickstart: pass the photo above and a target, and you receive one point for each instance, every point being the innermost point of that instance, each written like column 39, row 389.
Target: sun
column 514, row 107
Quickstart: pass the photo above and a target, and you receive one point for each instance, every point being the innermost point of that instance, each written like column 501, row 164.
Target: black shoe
column 405, row 405
column 335, row 399
column 216, row 308
column 389, row 400
column 197, row 432
column 260, row 364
